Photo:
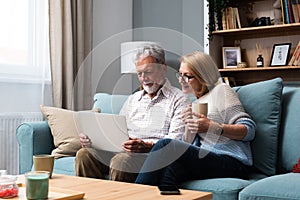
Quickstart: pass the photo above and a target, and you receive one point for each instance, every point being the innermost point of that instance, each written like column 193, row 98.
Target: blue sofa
column 274, row 106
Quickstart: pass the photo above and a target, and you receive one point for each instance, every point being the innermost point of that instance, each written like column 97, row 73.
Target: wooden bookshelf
column 244, row 76
column 260, row 69
column 247, row 38
column 262, row 31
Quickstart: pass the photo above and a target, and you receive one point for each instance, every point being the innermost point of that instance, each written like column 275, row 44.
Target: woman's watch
column 219, row 130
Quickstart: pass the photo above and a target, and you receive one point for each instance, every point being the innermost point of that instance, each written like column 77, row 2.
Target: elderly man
column 151, row 114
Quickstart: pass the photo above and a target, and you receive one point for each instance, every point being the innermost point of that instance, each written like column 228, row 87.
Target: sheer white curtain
column 25, row 81
column 24, row 55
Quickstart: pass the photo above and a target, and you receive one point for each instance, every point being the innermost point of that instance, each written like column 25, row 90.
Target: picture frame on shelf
column 231, row 57
column 280, row 54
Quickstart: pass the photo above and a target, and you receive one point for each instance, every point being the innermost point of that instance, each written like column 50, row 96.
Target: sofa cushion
column 222, row 188
column 109, row 103
column 289, row 138
column 284, row 186
column 262, row 100
column 65, row 165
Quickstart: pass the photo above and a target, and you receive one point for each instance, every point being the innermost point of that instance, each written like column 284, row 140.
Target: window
column 24, row 48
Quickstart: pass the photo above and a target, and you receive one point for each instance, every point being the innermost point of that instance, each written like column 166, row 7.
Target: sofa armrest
column 33, row 138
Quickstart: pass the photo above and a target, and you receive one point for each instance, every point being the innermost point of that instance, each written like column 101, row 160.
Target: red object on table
column 296, row 167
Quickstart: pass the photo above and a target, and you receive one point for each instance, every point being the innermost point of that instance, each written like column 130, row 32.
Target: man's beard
column 155, row 86
column 152, row 89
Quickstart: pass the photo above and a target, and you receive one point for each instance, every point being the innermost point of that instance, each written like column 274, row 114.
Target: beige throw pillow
column 65, row 133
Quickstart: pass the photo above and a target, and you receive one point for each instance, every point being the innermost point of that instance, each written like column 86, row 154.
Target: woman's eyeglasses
column 185, row 78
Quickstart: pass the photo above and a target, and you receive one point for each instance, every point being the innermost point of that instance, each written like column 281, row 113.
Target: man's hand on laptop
column 137, row 146
column 84, row 140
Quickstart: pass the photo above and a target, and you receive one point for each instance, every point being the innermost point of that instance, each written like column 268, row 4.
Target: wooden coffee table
column 105, row 189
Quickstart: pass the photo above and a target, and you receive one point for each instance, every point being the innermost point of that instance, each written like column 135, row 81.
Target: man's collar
column 167, row 89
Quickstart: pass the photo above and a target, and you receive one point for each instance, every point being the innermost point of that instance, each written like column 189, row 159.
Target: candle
column 37, row 184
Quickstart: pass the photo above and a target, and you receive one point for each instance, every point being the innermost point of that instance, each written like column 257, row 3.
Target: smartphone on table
column 168, row 189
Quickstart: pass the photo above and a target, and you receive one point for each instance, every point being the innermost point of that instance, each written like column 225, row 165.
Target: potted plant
column 215, row 8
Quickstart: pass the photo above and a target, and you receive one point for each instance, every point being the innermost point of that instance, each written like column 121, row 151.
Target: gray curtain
column 70, row 23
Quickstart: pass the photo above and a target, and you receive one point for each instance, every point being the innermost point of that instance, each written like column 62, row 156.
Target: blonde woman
column 213, row 146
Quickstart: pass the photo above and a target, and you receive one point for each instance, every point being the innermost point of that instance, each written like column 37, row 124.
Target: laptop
column 106, row 131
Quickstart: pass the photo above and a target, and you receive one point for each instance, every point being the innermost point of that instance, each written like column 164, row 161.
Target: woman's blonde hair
column 203, row 68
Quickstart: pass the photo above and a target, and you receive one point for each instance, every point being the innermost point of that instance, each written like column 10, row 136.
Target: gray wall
column 184, row 16
column 193, row 22
column 112, row 25
column 176, row 24
column 158, row 13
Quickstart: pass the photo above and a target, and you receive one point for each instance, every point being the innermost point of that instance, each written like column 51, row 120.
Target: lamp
column 128, row 50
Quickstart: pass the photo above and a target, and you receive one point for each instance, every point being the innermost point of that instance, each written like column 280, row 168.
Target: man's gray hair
column 152, row 50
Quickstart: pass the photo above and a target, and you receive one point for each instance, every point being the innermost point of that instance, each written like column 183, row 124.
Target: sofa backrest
column 109, row 103
column 289, row 136
column 262, row 101
column 113, row 103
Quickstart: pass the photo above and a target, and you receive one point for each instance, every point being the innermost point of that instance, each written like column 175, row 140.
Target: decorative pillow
column 289, row 148
column 63, row 128
column 262, row 100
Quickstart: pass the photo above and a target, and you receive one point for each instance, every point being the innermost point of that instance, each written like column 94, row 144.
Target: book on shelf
column 237, row 17
column 295, row 59
column 231, row 18
column 224, row 23
column 229, row 24
column 282, row 11
column 298, row 6
column 290, row 11
column 295, row 10
column 285, row 12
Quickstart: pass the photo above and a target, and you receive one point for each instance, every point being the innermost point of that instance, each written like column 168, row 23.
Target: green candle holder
column 37, row 184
